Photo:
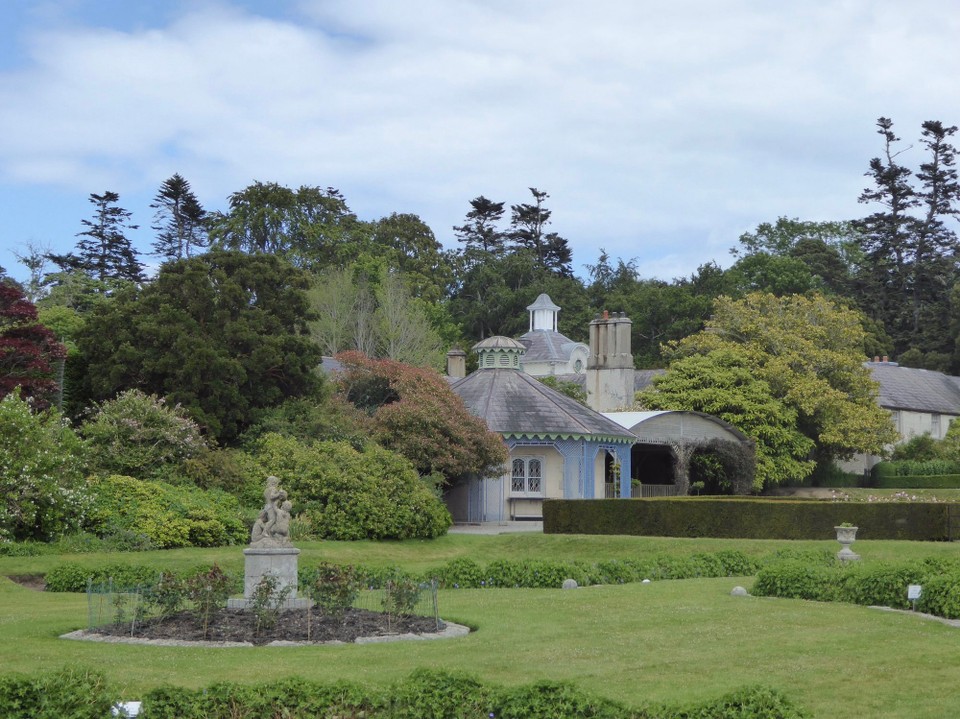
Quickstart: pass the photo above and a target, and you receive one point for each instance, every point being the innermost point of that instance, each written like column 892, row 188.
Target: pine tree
column 479, row 233
column 910, row 253
column 528, row 231
column 104, row 252
column 180, row 221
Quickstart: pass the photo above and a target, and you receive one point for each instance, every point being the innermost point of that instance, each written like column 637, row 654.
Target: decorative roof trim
column 554, row 436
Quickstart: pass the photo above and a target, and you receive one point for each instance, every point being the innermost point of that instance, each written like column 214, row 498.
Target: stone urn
column 846, row 535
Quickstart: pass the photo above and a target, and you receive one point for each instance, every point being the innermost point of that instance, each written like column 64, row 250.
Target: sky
column 661, row 131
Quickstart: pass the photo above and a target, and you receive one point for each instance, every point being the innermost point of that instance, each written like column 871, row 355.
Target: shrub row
column 749, row 518
column 459, row 573
column 425, row 694
column 72, row 577
column 915, row 468
column 918, row 481
column 466, row 573
column 119, row 540
column 431, row 694
column 875, row 585
column 72, row 692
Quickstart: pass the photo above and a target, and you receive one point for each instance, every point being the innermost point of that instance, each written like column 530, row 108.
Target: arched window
column 527, row 477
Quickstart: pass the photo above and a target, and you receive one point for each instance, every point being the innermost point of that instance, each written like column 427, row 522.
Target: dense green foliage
column 750, row 518
column 438, row 694
column 222, row 334
column 723, row 383
column 345, row 493
column 41, row 469
column 167, row 515
column 883, row 585
column 797, row 357
column 917, row 481
column 334, row 586
column 73, row 693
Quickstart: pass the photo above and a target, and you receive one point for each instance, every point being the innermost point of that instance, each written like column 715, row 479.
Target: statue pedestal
column 281, row 562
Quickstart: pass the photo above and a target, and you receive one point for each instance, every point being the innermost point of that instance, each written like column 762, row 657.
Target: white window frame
column 525, row 479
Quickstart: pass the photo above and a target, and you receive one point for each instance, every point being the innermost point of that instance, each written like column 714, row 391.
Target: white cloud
column 659, row 129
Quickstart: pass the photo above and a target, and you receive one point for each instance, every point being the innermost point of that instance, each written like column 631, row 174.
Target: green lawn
column 671, row 641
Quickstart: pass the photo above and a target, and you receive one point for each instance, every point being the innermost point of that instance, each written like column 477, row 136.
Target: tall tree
column 35, row 259
column 337, row 301
column 809, row 352
column 480, row 234
column 407, row 245
column 403, row 326
column 528, row 223
column 104, row 252
column 380, row 319
column 935, row 245
column 29, row 352
column 311, row 227
column 180, row 220
column 223, row 334
column 724, row 383
column 829, row 250
column 910, row 252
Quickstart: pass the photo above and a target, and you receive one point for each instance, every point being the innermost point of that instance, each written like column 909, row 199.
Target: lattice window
column 519, row 482
column 527, row 477
column 535, row 477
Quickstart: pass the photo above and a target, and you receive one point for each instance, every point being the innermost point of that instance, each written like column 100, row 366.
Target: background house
column 920, row 401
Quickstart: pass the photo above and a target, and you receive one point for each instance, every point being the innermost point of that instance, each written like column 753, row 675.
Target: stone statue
column 272, row 527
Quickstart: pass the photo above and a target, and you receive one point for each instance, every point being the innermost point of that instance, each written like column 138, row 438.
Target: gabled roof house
column 558, row 448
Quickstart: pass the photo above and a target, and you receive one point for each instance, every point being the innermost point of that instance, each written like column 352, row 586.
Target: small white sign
column 913, row 592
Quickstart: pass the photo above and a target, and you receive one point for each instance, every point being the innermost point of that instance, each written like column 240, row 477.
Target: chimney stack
column 610, row 363
column 456, row 363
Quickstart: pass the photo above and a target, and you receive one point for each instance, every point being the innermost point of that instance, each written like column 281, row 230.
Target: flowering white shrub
column 140, row 435
column 41, row 469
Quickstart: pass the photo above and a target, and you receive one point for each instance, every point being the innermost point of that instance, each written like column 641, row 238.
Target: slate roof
column 513, row 403
column 916, row 390
column 547, row 345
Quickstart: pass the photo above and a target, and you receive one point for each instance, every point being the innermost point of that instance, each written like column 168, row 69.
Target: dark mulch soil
column 30, row 581
column 235, row 625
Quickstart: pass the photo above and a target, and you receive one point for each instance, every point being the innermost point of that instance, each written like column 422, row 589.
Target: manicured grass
column 672, row 641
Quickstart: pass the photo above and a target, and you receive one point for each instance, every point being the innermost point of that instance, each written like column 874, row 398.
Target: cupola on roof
column 499, row 352
column 543, row 314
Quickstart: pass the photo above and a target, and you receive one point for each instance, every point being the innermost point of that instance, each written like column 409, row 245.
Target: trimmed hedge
column 874, row 585
column 72, row 577
column 437, row 694
column 460, row 573
column 749, row 518
column 918, row 481
column 915, row 468
column 72, row 692
column 426, row 694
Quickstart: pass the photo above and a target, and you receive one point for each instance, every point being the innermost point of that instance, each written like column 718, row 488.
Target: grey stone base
column 281, row 562
column 287, row 604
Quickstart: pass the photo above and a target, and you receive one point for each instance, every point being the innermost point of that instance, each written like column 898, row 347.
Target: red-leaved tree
column 415, row 413
column 28, row 350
